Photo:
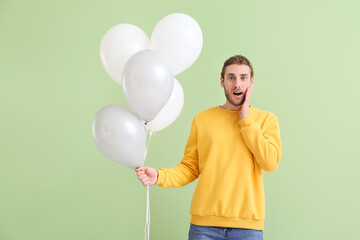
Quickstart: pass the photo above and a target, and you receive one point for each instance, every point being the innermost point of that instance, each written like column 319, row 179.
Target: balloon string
column 147, row 223
column 147, row 220
column 148, row 144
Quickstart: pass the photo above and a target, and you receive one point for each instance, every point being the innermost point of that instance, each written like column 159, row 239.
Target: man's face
column 235, row 82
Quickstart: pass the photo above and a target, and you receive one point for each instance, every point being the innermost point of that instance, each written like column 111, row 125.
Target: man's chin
column 237, row 103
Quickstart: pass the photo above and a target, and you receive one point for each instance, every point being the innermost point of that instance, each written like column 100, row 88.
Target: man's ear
column 222, row 82
column 252, row 82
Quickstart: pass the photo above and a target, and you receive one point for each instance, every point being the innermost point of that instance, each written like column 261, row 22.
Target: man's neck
column 229, row 106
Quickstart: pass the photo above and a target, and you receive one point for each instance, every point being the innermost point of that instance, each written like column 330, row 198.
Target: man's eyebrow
column 244, row 74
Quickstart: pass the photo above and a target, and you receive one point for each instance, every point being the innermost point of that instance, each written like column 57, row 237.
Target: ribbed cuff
column 161, row 177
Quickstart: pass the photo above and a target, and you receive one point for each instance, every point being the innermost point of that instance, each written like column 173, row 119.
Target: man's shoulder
column 262, row 115
column 259, row 111
column 207, row 112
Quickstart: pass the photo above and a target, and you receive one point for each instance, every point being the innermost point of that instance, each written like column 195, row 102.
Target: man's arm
column 185, row 172
column 265, row 143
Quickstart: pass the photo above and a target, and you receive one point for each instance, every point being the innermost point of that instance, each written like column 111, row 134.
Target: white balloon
column 147, row 83
column 170, row 111
column 179, row 39
column 118, row 45
column 120, row 135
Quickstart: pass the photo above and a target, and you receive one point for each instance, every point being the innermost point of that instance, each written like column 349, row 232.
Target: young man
column 229, row 147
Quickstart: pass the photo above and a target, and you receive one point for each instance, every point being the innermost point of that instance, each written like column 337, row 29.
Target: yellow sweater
column 229, row 155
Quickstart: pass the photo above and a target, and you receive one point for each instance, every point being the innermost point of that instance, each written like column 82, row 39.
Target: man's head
column 237, row 59
column 237, row 76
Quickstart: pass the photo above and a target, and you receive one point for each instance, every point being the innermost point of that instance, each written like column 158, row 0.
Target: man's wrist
column 244, row 114
column 157, row 176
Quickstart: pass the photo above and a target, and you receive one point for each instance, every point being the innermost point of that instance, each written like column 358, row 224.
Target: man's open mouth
column 237, row 93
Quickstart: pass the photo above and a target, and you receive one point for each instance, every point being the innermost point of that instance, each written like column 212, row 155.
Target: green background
column 54, row 182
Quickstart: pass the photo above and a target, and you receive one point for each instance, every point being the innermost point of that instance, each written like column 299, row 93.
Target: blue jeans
column 197, row 232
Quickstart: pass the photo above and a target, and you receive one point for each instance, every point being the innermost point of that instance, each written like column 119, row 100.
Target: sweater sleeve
column 187, row 170
column 265, row 143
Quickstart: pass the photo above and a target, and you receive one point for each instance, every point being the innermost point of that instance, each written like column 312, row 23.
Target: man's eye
column 231, row 78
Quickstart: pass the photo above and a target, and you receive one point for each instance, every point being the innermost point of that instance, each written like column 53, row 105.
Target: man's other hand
column 245, row 106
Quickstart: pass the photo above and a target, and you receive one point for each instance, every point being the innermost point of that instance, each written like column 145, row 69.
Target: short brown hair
column 237, row 59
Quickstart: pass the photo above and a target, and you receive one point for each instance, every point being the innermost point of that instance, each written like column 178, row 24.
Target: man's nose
column 238, row 83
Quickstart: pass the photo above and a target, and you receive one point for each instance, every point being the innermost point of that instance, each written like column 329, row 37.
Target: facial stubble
column 228, row 97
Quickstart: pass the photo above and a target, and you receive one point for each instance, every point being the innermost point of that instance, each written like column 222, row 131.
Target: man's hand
column 147, row 175
column 245, row 106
